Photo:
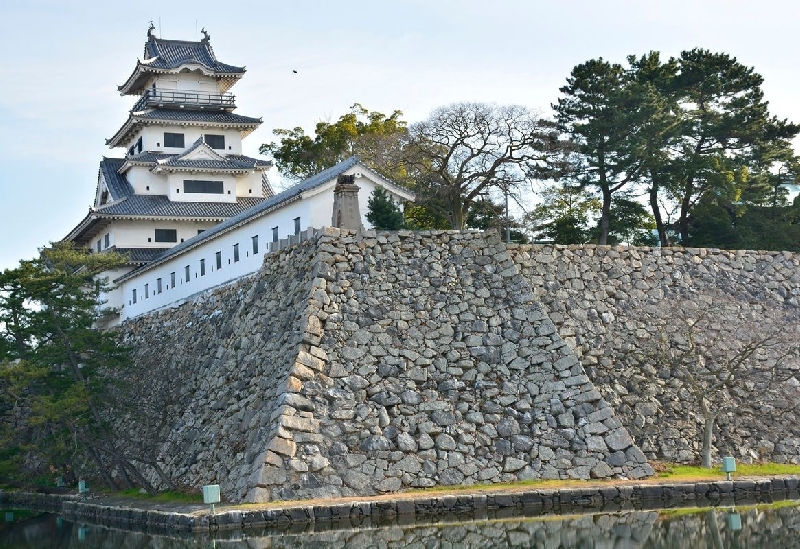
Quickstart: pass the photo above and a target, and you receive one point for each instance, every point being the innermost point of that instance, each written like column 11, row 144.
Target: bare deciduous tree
column 463, row 150
column 724, row 354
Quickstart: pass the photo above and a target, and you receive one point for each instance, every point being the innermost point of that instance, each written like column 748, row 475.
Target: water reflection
column 775, row 527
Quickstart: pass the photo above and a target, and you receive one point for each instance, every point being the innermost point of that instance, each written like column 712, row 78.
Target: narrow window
column 202, row 267
column 106, row 240
column 215, row 141
column 201, row 186
column 274, row 234
column 296, row 225
column 219, row 260
column 134, row 295
column 146, row 291
column 139, row 146
column 187, row 274
column 235, row 253
column 255, row 244
column 171, row 280
column 166, row 235
column 173, row 139
column 98, row 245
column 158, row 285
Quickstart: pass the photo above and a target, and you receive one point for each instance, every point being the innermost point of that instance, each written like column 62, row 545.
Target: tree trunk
column 708, row 436
column 662, row 231
column 683, row 220
column 605, row 217
column 456, row 214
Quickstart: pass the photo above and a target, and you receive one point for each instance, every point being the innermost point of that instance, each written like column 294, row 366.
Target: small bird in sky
column 294, row 71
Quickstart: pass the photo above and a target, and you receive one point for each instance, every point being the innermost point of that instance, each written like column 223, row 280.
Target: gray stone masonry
column 365, row 364
column 597, row 296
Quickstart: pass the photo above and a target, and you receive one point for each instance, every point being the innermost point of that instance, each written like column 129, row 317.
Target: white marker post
column 211, row 495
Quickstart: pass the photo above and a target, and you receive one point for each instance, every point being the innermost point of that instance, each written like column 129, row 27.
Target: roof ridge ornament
column 206, row 37
column 151, row 35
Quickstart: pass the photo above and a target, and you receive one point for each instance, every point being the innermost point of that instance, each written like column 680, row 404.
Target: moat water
column 772, row 527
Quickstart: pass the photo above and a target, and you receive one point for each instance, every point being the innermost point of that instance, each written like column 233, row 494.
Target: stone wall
column 356, row 364
column 601, row 299
column 363, row 364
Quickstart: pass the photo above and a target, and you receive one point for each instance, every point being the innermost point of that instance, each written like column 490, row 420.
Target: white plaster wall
column 248, row 262
column 324, row 193
column 113, row 298
column 134, row 234
column 140, row 177
column 153, row 138
column 249, row 185
column 176, row 194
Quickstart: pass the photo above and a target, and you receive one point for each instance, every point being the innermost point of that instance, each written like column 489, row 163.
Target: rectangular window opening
column 166, row 235
column 219, row 260
column 235, row 253
column 274, row 234
column 158, row 285
column 202, row 186
column 188, row 273
column 173, row 139
column 134, row 295
column 215, row 141
column 146, row 291
column 202, row 267
column 296, row 225
column 255, row 244
column 172, row 280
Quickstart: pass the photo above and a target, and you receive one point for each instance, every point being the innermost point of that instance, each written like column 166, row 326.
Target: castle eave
column 246, row 125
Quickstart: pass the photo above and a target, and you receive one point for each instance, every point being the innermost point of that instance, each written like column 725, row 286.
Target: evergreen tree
column 56, row 366
column 383, row 212
column 599, row 114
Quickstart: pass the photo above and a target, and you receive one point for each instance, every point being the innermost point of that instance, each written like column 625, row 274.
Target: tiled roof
column 260, row 208
column 236, row 164
column 170, row 56
column 199, row 118
column 231, row 162
column 139, row 205
column 147, row 157
column 141, row 255
column 183, row 115
column 124, row 201
column 118, row 186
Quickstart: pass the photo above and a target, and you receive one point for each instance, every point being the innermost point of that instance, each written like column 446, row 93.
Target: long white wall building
column 237, row 247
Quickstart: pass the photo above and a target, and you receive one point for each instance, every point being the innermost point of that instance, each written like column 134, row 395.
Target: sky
column 63, row 60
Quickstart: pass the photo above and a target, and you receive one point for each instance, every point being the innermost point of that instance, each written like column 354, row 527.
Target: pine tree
column 383, row 212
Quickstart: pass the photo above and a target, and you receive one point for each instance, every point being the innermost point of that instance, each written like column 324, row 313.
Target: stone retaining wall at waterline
column 372, row 363
column 415, row 509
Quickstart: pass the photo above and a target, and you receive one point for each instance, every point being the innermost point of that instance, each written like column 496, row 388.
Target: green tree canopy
column 383, row 212
column 564, row 216
column 55, row 365
column 378, row 139
column 693, row 133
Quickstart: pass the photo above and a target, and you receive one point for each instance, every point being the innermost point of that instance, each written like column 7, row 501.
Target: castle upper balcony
column 157, row 98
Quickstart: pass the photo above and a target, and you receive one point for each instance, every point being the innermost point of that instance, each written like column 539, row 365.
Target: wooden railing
column 172, row 98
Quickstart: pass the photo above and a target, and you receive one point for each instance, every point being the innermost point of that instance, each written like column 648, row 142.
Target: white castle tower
column 183, row 170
